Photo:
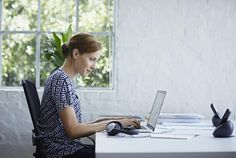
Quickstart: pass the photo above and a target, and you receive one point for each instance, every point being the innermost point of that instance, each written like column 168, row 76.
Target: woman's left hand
column 128, row 121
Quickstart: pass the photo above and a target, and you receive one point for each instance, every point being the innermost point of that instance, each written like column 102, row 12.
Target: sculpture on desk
column 224, row 127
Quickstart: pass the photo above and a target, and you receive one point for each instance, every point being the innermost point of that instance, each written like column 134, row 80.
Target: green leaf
column 57, row 43
column 67, row 35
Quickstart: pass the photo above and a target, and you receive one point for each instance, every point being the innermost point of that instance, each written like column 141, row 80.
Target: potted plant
column 53, row 53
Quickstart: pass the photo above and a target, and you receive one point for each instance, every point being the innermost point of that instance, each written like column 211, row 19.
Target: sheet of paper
column 180, row 118
column 187, row 126
column 159, row 130
column 181, row 115
column 173, row 136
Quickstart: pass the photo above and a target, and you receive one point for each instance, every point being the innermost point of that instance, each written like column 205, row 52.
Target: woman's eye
column 92, row 59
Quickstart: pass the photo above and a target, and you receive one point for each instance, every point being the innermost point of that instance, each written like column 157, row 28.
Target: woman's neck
column 68, row 69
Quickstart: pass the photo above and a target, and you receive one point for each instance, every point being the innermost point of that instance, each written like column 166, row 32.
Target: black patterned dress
column 58, row 94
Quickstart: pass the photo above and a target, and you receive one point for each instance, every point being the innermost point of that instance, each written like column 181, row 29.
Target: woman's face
column 86, row 63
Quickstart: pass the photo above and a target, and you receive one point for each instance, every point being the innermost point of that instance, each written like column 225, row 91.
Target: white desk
column 202, row 146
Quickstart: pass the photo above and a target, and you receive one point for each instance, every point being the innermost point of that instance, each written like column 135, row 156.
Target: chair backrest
column 33, row 101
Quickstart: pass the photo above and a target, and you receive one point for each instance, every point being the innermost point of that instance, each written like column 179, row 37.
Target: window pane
column 95, row 15
column 57, row 15
column 20, row 15
column 100, row 77
column 18, row 59
column 18, row 49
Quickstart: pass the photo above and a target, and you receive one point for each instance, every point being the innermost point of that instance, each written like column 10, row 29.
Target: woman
column 60, row 113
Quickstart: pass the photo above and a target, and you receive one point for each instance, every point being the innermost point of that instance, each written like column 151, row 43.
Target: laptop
column 155, row 112
column 154, row 115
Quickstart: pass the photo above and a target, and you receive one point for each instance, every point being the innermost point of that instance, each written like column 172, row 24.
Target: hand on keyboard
column 131, row 127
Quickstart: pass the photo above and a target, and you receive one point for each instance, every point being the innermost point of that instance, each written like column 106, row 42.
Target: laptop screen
column 156, row 109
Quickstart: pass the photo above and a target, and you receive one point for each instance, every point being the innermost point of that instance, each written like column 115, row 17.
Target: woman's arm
column 74, row 129
column 107, row 119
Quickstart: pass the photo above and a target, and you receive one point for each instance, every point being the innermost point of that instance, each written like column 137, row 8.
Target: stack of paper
column 173, row 136
column 180, row 118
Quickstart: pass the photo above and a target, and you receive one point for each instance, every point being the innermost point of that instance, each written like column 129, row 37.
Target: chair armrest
column 92, row 140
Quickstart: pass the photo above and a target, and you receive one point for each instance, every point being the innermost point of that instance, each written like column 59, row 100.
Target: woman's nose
column 93, row 66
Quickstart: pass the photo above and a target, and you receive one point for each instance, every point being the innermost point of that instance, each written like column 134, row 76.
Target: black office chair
column 33, row 102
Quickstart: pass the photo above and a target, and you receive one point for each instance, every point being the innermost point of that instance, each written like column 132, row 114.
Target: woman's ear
column 75, row 54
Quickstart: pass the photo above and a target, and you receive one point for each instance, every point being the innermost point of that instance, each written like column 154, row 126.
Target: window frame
column 112, row 47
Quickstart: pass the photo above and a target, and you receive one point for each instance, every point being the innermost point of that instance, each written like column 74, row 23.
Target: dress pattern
column 58, row 94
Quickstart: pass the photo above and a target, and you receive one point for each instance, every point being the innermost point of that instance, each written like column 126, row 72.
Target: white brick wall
column 186, row 47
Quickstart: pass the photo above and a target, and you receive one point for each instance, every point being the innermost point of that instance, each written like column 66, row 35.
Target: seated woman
column 60, row 113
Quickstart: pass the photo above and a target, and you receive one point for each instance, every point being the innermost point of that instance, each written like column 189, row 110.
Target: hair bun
column 64, row 49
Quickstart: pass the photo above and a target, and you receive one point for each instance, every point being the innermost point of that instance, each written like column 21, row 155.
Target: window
column 27, row 25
